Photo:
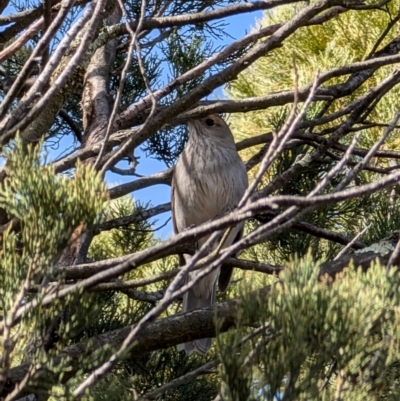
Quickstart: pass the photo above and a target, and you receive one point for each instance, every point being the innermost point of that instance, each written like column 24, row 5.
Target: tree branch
column 207, row 368
column 161, row 334
column 184, row 327
column 136, row 217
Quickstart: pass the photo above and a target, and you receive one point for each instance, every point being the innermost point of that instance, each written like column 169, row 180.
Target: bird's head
column 213, row 127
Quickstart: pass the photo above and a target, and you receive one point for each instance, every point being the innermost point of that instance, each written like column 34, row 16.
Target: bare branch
column 192, row 97
column 74, row 127
column 330, row 92
column 317, row 231
column 47, row 22
column 136, row 217
column 176, row 243
column 207, row 368
column 37, row 52
column 351, row 243
column 21, row 40
column 164, row 177
column 75, row 272
column 83, row 45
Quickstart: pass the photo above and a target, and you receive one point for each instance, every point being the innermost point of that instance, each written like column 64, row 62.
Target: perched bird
column 209, row 179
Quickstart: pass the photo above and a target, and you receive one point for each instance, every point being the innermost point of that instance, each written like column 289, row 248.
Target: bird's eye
column 210, row 122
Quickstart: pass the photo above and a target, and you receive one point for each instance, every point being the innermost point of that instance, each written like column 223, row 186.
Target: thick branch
column 86, row 270
column 161, row 334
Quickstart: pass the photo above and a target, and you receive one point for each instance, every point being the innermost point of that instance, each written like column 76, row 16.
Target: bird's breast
column 206, row 184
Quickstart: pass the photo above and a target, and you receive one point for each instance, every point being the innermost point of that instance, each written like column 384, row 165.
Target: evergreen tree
column 90, row 296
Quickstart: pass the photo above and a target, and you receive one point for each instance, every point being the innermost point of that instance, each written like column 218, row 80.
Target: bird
column 209, row 180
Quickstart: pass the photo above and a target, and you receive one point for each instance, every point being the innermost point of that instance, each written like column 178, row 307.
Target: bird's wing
column 181, row 258
column 226, row 271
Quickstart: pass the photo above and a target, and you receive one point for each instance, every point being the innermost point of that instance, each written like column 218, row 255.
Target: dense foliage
column 90, row 295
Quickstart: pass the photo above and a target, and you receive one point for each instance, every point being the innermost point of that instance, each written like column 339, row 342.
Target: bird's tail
column 193, row 300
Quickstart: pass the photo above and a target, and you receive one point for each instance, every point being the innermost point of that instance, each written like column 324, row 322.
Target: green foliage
column 319, row 339
column 135, row 87
column 48, row 208
column 337, row 42
column 125, row 239
column 312, row 340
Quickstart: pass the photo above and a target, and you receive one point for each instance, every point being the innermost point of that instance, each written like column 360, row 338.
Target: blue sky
column 238, row 26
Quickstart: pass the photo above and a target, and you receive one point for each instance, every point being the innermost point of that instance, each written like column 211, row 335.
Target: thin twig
column 188, row 377
column 350, row 244
column 127, row 145
column 37, row 51
column 92, row 14
column 284, row 134
column 277, row 225
column 349, row 177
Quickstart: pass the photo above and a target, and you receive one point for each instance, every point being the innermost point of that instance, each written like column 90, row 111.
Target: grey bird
column 209, row 179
